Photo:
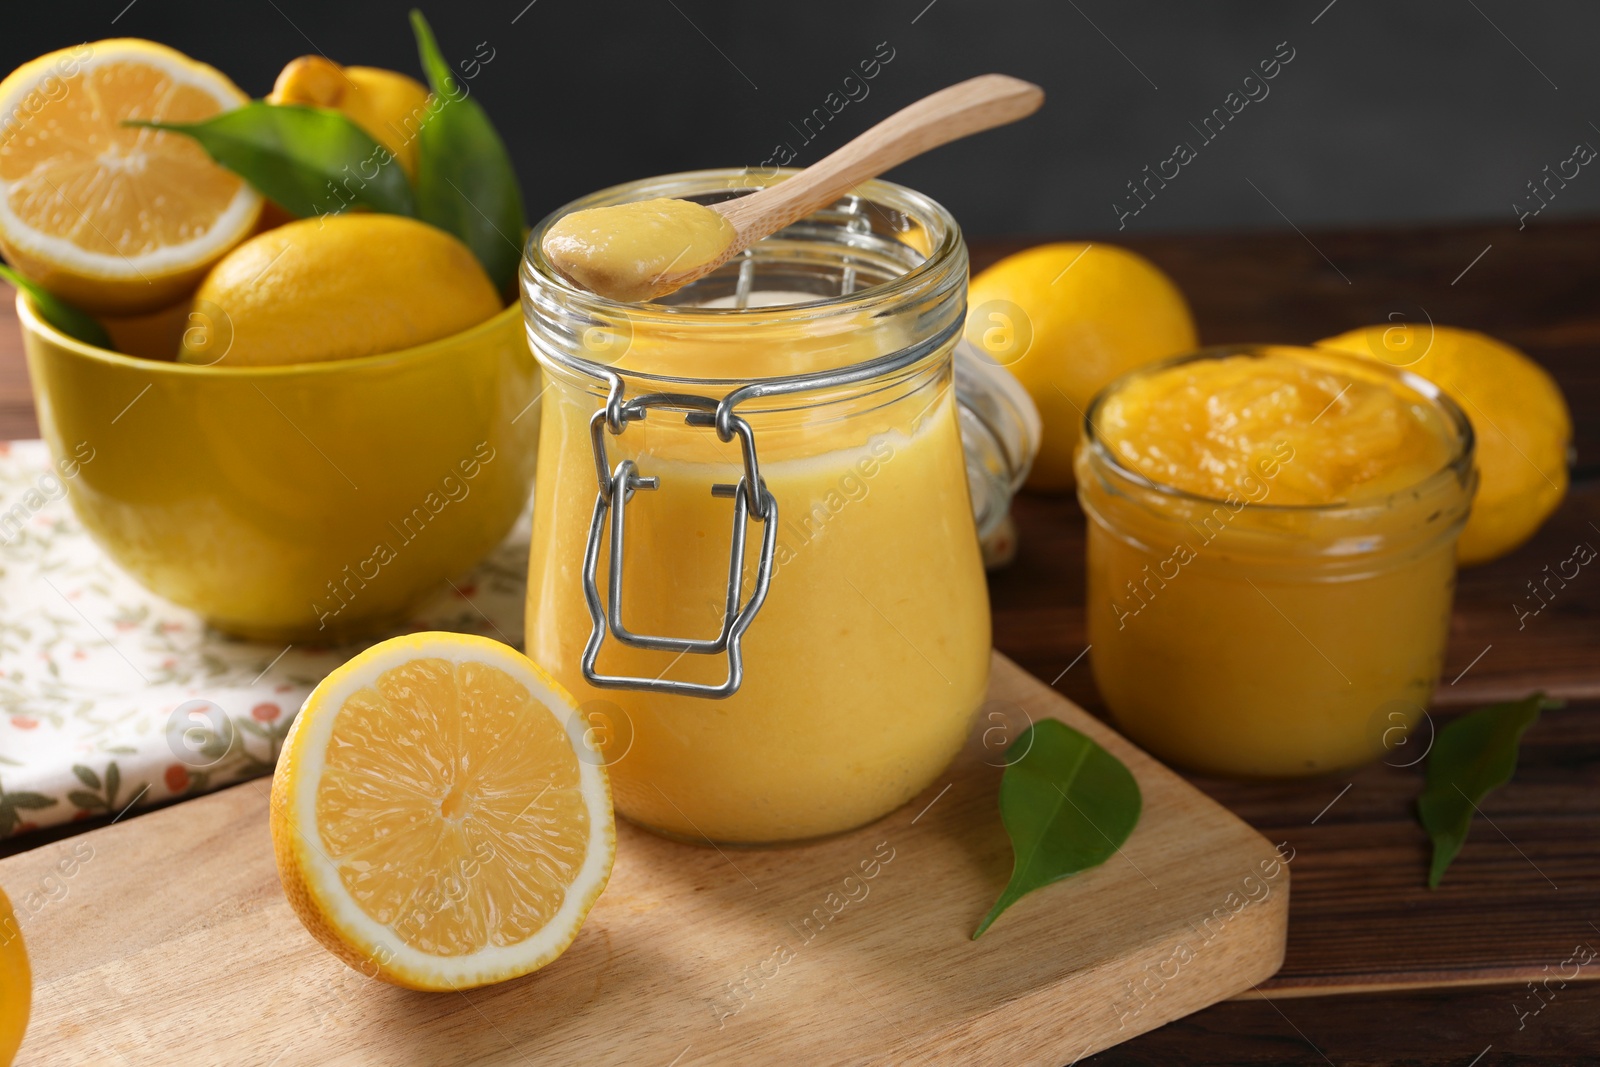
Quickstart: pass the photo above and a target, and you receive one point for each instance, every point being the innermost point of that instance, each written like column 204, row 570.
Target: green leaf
column 465, row 181
column 74, row 322
column 1068, row 805
column 87, row 801
column 113, row 783
column 1473, row 756
column 307, row 160
column 29, row 800
column 86, row 775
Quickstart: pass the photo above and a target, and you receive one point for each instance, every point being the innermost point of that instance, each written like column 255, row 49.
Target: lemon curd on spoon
column 626, row 251
column 1271, row 555
column 650, row 248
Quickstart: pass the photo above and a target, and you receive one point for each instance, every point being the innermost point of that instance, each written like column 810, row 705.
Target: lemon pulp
column 450, row 805
column 116, row 218
column 440, row 818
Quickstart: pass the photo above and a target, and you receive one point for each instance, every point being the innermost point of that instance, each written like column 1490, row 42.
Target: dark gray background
column 1389, row 112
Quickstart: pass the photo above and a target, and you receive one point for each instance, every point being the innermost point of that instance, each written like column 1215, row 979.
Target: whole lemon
column 336, row 288
column 1518, row 415
column 16, row 983
column 388, row 105
column 1066, row 319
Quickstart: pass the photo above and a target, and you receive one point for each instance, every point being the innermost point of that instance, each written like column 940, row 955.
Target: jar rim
column 1458, row 465
column 933, row 216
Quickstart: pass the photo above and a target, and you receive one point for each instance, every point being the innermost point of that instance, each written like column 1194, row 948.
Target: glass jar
column 1245, row 637
column 755, row 560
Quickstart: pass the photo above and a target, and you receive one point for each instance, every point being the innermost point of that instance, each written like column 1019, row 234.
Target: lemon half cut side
column 117, row 219
column 439, row 818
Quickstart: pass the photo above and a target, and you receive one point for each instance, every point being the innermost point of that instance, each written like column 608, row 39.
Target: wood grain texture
column 1523, row 891
column 679, row 961
column 1418, row 1028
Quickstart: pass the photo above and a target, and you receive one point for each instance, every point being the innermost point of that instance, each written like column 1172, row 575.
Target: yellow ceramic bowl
column 308, row 502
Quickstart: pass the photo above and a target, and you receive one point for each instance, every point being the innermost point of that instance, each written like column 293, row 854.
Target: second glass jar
column 1245, row 637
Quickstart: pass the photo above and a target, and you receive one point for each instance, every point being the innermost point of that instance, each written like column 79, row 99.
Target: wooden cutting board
column 166, row 940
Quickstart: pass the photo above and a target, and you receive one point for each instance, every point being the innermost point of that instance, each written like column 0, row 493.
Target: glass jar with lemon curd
column 755, row 559
column 1271, row 555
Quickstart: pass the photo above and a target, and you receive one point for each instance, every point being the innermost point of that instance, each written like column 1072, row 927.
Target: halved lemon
column 116, row 219
column 440, row 819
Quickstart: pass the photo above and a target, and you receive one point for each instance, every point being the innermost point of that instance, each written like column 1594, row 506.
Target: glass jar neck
column 1246, row 526
column 875, row 274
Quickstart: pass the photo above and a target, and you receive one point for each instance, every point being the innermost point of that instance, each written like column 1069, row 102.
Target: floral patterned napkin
column 111, row 697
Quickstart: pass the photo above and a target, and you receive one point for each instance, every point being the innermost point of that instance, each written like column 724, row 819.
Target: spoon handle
column 950, row 114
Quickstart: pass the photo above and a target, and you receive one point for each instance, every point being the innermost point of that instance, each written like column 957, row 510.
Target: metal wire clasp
column 751, row 499
column 617, row 486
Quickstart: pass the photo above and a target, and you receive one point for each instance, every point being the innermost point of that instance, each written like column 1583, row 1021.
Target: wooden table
column 1380, row 969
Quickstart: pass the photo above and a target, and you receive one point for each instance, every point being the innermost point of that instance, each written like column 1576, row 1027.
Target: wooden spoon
column 645, row 250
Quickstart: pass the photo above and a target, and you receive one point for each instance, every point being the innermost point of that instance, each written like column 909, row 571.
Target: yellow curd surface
column 1207, row 427
column 865, row 664
column 626, row 251
column 1270, row 558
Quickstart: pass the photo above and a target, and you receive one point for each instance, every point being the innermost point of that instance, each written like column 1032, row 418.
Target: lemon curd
column 626, row 251
column 863, row 666
column 1271, row 555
